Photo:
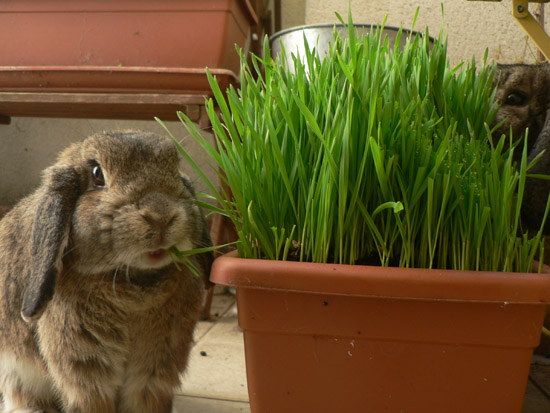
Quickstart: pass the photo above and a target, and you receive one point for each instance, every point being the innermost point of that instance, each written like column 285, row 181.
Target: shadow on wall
column 29, row 145
column 4, row 210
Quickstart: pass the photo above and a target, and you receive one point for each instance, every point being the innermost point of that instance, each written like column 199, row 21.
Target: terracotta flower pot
column 341, row 338
column 121, row 45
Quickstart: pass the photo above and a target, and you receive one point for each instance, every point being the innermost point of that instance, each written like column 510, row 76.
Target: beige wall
column 471, row 26
column 28, row 145
column 293, row 13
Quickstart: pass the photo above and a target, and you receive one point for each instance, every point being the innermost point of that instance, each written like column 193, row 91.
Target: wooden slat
column 100, row 97
column 101, row 105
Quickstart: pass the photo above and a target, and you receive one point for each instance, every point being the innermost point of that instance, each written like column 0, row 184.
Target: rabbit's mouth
column 152, row 259
column 160, row 257
column 157, row 256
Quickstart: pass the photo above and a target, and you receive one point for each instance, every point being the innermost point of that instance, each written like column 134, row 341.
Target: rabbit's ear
column 205, row 259
column 50, row 234
column 188, row 184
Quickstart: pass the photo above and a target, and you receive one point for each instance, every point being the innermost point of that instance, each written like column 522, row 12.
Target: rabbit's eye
column 516, row 98
column 97, row 176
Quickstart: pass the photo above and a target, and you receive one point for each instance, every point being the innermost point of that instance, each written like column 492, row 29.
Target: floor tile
column 216, row 365
column 188, row 404
column 535, row 401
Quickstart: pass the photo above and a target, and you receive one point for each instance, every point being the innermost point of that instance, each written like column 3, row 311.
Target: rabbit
column 523, row 93
column 94, row 315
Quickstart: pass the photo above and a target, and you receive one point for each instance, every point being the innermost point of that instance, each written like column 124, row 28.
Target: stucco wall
column 293, row 13
column 471, row 26
column 29, row 145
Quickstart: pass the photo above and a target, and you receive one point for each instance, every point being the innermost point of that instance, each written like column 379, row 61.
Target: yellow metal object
column 529, row 24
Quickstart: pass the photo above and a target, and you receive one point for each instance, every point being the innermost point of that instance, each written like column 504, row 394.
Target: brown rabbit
column 94, row 315
column 524, row 94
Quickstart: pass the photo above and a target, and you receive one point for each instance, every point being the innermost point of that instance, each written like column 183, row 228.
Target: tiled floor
column 215, row 381
column 537, row 397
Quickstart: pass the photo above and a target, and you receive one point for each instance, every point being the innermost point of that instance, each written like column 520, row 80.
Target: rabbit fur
column 523, row 93
column 94, row 316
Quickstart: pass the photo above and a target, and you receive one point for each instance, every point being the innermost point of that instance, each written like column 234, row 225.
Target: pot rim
column 387, row 282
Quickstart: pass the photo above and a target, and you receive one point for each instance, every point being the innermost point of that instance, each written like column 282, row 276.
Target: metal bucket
column 321, row 35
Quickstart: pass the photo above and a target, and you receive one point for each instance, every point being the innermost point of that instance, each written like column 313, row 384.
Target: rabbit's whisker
column 114, row 282
column 69, row 250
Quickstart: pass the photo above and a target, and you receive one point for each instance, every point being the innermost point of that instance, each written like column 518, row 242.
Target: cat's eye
column 97, row 176
column 516, row 98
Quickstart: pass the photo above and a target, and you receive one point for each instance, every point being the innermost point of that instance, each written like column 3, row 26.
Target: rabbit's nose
column 161, row 224
column 155, row 222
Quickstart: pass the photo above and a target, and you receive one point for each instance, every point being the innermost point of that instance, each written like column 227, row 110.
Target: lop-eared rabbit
column 94, row 315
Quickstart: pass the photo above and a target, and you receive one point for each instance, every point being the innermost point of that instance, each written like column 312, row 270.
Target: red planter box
column 120, row 45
